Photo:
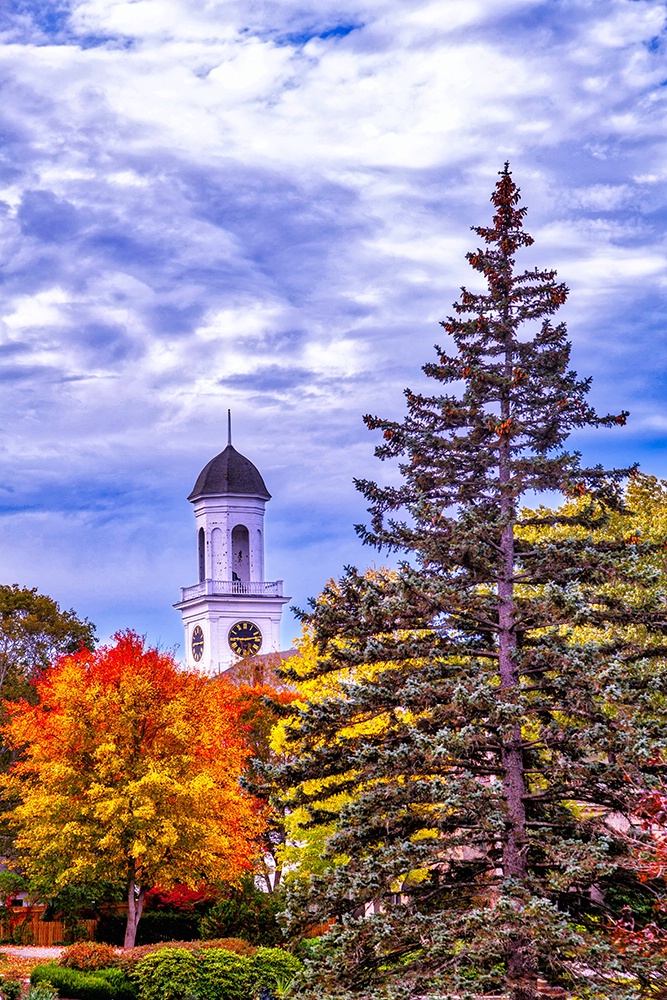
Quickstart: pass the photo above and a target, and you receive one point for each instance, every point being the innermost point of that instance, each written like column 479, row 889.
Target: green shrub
column 11, row 883
column 41, row 973
column 10, row 989
column 210, row 973
column 22, row 934
column 87, row 956
column 238, row 945
column 311, row 949
column 273, row 968
column 127, row 960
column 245, row 912
column 223, row 975
column 72, row 983
column 123, row 988
column 105, row 984
column 44, row 991
column 167, row 974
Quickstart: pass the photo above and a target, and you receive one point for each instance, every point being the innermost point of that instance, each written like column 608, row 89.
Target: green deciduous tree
column 494, row 758
column 33, row 632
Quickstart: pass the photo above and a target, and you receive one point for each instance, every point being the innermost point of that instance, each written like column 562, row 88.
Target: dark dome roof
column 230, row 472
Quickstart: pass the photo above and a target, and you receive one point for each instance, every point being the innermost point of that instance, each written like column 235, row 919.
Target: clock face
column 197, row 643
column 245, row 639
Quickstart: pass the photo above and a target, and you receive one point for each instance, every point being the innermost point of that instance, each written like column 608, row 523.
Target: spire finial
column 229, row 427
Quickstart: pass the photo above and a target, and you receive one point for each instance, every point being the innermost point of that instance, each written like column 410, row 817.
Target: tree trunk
column 521, row 971
column 135, row 905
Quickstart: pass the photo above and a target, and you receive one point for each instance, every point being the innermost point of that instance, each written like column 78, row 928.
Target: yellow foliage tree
column 130, row 772
column 301, row 851
column 641, row 527
column 313, row 808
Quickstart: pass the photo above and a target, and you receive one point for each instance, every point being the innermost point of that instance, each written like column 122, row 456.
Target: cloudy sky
column 265, row 205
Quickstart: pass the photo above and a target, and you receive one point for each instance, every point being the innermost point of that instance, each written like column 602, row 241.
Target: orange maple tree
column 130, row 771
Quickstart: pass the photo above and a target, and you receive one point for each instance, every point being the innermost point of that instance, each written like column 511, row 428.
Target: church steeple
column 232, row 609
column 230, row 473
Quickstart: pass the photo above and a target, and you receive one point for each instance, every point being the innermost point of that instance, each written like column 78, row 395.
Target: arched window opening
column 217, row 555
column 240, row 554
column 202, row 555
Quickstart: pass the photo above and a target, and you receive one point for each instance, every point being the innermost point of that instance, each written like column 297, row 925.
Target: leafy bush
column 128, row 959
column 87, row 956
column 105, row 984
column 41, row 973
column 272, row 968
column 312, row 949
column 11, row 884
column 238, row 945
column 245, row 912
column 72, row 983
column 74, row 904
column 213, row 973
column 44, row 991
column 167, row 974
column 10, row 989
column 122, row 987
column 21, row 933
column 222, row 975
column 625, row 889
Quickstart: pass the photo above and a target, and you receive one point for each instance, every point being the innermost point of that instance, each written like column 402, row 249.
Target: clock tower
column 232, row 611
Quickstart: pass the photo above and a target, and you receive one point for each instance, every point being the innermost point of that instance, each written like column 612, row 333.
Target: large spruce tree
column 500, row 704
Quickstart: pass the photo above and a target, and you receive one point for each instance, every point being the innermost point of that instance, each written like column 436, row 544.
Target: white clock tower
column 232, row 611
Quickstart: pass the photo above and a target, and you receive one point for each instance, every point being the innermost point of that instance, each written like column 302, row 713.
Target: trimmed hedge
column 168, row 974
column 122, row 986
column 213, row 973
column 127, row 960
column 104, row 984
column 89, row 956
column 222, row 975
column 175, row 974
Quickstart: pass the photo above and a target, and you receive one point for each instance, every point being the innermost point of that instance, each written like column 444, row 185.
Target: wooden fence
column 23, row 925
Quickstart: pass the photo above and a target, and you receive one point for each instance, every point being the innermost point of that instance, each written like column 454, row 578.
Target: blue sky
column 266, row 206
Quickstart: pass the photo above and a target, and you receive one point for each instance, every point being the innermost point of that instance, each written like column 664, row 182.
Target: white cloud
column 215, row 202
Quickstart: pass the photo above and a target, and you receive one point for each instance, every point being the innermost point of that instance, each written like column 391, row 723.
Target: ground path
column 31, row 951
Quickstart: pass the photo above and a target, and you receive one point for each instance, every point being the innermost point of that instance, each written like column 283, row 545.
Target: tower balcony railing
column 227, row 588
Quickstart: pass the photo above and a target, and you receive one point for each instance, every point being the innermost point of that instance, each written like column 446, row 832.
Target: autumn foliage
column 650, row 866
column 182, row 898
column 130, row 773
column 261, row 704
